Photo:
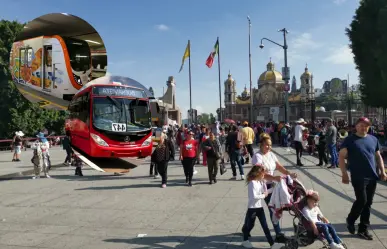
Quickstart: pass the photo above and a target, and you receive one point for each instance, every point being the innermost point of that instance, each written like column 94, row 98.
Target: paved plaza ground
column 105, row 211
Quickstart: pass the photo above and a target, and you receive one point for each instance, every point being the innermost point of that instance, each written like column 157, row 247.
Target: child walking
column 319, row 223
column 257, row 192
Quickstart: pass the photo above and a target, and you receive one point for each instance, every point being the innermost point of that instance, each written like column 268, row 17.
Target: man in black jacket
column 233, row 147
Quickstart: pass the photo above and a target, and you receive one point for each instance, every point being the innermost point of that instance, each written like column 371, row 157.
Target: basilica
column 268, row 97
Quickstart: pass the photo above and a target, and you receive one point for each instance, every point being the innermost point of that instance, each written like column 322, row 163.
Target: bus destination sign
column 118, row 91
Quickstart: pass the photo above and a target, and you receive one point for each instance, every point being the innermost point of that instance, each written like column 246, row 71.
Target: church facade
column 268, row 97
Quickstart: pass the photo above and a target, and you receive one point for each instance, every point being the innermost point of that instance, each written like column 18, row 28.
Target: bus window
column 29, row 57
column 79, row 53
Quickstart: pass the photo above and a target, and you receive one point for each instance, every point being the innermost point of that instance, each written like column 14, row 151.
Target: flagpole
column 220, row 85
column 190, row 92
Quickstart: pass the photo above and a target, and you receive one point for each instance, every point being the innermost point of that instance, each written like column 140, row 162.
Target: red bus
column 110, row 117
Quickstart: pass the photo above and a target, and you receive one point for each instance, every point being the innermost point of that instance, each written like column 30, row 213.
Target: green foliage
column 368, row 36
column 17, row 113
column 206, row 118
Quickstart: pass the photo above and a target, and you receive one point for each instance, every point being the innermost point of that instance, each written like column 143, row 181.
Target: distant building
column 168, row 110
column 335, row 86
column 294, row 84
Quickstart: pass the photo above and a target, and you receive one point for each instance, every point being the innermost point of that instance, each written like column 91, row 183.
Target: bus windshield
column 79, row 53
column 109, row 112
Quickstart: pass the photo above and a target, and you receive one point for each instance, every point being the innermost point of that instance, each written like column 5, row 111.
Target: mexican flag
column 210, row 59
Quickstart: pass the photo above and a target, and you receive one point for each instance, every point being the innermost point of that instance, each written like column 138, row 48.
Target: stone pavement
column 105, row 211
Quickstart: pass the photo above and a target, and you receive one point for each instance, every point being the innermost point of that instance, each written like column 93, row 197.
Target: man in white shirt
column 298, row 133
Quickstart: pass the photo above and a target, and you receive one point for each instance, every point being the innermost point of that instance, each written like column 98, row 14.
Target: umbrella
column 229, row 121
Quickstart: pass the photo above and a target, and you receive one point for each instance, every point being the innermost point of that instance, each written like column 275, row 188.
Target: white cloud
column 340, row 56
column 299, row 49
column 305, row 42
column 162, row 27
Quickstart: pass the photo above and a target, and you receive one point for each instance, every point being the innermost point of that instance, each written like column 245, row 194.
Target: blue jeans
column 236, row 158
column 328, row 230
column 284, row 140
column 334, row 156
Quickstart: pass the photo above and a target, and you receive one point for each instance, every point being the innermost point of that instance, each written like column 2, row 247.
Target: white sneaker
column 157, row 176
column 247, row 244
column 335, row 246
column 242, row 177
column 35, row 177
column 340, row 246
column 195, row 171
column 48, row 176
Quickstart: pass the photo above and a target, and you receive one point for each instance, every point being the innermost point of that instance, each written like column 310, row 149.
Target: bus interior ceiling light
column 92, row 41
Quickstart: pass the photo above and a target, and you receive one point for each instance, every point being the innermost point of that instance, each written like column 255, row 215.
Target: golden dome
column 270, row 75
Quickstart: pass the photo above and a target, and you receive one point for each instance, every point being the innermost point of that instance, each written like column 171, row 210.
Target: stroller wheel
column 291, row 244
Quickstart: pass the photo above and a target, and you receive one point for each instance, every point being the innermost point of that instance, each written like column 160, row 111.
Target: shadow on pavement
column 197, row 242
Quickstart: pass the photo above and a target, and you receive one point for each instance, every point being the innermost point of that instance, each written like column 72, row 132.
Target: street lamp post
column 251, row 82
column 286, row 73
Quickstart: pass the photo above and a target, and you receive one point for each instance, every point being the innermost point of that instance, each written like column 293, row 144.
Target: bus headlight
column 99, row 140
column 147, row 142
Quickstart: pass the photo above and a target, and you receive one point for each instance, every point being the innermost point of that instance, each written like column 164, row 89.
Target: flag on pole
column 210, row 59
column 187, row 54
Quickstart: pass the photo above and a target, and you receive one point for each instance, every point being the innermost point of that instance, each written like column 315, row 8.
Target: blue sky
column 146, row 39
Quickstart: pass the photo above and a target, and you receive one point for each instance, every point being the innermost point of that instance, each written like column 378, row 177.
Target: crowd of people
column 359, row 153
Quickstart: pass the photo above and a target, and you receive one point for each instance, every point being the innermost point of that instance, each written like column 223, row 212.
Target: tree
column 368, row 37
column 203, row 118
column 17, row 113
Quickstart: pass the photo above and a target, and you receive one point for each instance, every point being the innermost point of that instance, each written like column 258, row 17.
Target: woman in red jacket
column 188, row 151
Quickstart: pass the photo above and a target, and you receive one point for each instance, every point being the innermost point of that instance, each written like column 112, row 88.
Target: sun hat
column 301, row 120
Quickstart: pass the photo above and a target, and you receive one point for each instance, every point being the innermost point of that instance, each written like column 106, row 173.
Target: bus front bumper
column 118, row 151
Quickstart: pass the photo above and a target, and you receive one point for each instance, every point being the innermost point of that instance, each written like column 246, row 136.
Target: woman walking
column 161, row 156
column 188, row 156
column 212, row 148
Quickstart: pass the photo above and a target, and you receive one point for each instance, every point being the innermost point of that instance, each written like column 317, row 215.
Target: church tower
column 229, row 90
column 307, row 89
column 294, row 84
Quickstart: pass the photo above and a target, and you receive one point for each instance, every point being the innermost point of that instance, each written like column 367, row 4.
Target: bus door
column 57, row 61
column 47, row 68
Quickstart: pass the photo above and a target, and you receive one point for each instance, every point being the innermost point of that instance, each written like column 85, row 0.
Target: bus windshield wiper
column 115, row 102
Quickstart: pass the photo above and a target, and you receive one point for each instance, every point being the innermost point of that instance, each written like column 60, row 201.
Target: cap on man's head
column 238, row 122
column 364, row 120
column 245, row 123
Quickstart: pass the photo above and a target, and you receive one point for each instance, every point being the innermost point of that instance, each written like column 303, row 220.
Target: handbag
column 222, row 167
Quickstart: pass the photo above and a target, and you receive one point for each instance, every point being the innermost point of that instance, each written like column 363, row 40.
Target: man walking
column 363, row 155
column 248, row 139
column 331, row 139
column 298, row 134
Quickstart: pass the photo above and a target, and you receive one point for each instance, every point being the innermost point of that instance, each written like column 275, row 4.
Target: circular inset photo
column 54, row 56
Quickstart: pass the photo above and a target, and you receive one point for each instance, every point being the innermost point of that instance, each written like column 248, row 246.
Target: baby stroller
column 303, row 231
